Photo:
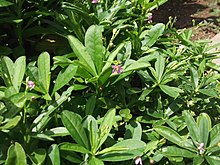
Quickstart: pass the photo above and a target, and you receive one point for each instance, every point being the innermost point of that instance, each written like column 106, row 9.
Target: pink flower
column 138, row 161
column 149, row 18
column 31, row 84
column 94, row 1
column 117, row 69
column 201, row 149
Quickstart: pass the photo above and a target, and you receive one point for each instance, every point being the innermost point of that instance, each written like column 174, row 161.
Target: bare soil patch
column 205, row 14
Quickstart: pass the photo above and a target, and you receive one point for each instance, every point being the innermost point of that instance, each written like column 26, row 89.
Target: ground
column 205, row 13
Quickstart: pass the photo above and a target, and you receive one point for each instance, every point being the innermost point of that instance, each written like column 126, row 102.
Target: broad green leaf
column 209, row 92
column 151, row 36
column 126, row 114
column 213, row 160
column 16, row 155
column 198, row 160
column 7, row 69
column 133, row 130
column 4, row 3
column 95, row 161
column 105, row 126
column 73, row 148
column 159, row 67
column 82, row 55
column 38, row 156
column 192, row 127
column 132, row 149
column 44, row 71
column 32, row 73
column 19, row 70
column 58, row 131
column 90, row 105
column 137, row 65
column 94, row 46
column 108, row 15
column 205, row 125
column 41, row 121
column 71, row 156
column 154, row 4
column 177, row 152
column 194, row 77
column 41, row 136
column 14, row 104
column 91, row 126
column 171, row 91
column 214, row 135
column 73, row 123
column 151, row 145
column 54, row 155
column 111, row 58
column 64, row 77
column 11, row 123
column 169, row 134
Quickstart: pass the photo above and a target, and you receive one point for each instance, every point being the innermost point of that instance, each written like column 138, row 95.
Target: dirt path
column 206, row 13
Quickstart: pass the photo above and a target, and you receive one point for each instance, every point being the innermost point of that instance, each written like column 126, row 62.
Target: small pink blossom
column 201, row 149
column 117, row 69
column 31, row 84
column 149, row 18
column 138, row 161
column 94, row 1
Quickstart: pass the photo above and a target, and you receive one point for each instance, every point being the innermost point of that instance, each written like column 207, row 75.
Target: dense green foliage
column 98, row 82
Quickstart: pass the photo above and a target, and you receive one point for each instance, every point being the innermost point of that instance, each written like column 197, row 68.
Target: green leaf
column 198, row 160
column 94, row 46
column 58, row 131
column 83, row 56
column 14, row 104
column 91, row 126
column 133, row 130
column 41, row 121
column 159, row 67
column 205, row 125
column 7, row 69
column 171, row 91
column 214, row 135
column 44, row 71
column 64, row 77
column 151, row 36
column 72, row 157
column 38, row 156
column 16, row 155
column 194, row 77
column 111, row 58
column 137, row 65
column 90, row 105
column 212, row 160
column 54, row 155
column 105, row 126
column 19, row 70
column 73, row 148
column 4, row 3
column 192, row 127
column 95, row 161
column 169, row 134
column 174, row 151
column 73, row 123
column 209, row 92
column 132, row 149
column 11, row 123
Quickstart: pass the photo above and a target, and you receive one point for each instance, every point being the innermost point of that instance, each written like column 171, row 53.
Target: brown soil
column 204, row 13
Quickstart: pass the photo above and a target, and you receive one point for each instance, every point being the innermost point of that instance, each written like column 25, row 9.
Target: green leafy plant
column 200, row 144
column 89, row 138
